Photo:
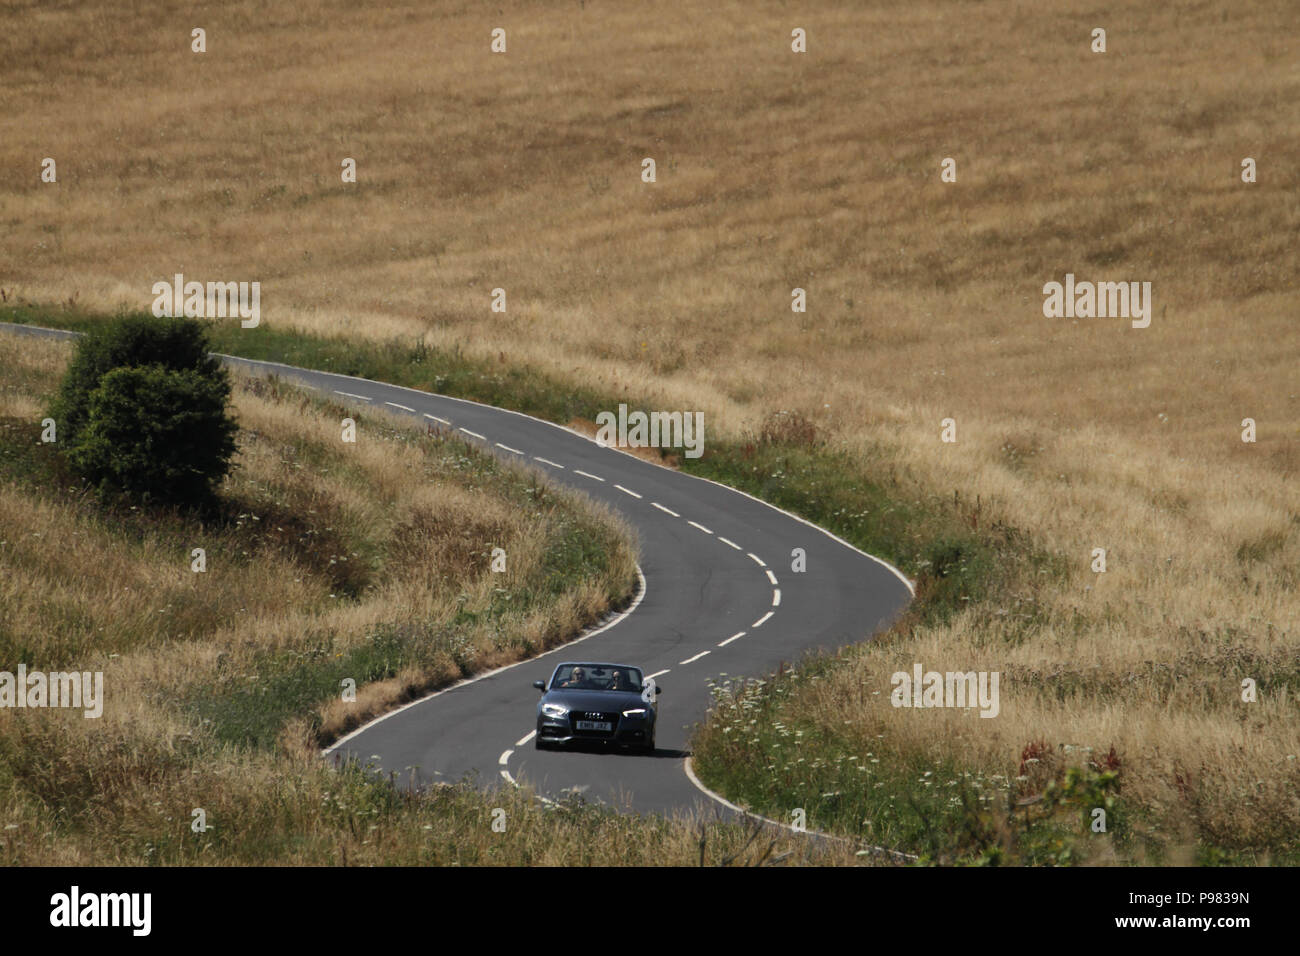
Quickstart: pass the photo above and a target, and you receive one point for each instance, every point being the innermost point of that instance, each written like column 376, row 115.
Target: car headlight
column 635, row 712
column 554, row 710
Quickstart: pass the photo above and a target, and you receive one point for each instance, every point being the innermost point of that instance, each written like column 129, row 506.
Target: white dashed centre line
column 364, row 398
column 695, row 658
column 505, row 757
column 521, row 742
column 405, row 408
column 730, row 544
column 776, row 597
column 627, row 491
column 658, row 673
column 730, row 639
column 756, row 558
column 437, row 419
column 665, row 510
column 771, row 577
column 513, row 451
column 700, row 526
column 547, row 461
column 763, row 619
column 473, row 434
column 587, row 474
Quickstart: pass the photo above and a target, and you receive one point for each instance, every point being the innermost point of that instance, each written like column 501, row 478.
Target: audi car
column 597, row 703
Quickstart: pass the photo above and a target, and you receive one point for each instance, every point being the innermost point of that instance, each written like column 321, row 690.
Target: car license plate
column 602, row 725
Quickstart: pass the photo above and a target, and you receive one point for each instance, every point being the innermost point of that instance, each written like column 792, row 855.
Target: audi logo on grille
column 591, row 716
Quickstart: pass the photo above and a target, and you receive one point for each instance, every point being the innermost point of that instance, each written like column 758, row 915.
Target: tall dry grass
column 775, row 171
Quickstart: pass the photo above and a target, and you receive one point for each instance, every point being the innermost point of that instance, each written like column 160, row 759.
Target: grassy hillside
column 776, row 171
column 330, row 561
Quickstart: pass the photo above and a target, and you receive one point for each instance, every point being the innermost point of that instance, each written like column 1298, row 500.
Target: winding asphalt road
column 719, row 598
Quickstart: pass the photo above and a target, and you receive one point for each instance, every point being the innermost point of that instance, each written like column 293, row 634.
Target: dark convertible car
column 597, row 703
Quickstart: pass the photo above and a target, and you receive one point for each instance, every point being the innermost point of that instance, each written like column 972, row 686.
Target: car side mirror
column 540, row 684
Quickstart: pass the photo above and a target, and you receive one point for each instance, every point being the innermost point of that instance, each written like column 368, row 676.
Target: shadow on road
column 595, row 747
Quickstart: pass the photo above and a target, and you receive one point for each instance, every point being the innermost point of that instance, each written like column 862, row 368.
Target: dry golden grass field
column 778, row 170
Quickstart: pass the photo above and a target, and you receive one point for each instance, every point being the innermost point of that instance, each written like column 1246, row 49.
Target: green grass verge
column 765, row 757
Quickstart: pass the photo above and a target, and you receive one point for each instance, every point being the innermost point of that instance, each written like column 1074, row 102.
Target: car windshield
column 597, row 677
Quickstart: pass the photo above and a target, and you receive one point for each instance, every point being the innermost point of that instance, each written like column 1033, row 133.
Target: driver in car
column 576, row 679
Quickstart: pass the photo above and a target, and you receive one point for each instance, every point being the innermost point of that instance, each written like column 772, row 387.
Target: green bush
column 158, row 435
column 132, row 340
column 142, row 412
